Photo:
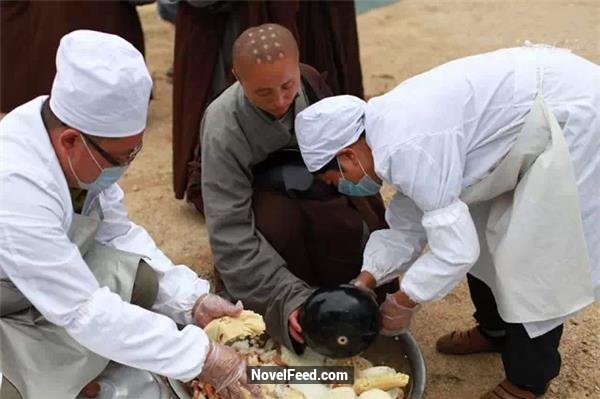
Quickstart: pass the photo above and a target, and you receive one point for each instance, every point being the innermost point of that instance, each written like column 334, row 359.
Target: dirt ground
column 397, row 41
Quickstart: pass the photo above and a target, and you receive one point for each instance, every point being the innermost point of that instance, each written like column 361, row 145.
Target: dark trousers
column 529, row 363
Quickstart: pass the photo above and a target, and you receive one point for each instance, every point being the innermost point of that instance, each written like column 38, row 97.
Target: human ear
column 346, row 155
column 67, row 138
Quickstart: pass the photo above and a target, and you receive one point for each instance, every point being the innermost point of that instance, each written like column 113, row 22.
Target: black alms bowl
column 339, row 322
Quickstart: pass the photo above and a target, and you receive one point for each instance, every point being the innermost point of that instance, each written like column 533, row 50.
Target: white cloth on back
column 102, row 86
column 328, row 126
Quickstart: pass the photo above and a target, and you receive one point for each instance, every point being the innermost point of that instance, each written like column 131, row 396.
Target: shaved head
column 266, row 63
column 263, row 44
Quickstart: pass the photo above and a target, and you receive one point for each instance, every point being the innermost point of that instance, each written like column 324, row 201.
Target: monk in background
column 205, row 32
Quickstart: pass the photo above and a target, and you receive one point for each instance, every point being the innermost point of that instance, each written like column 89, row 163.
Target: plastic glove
column 225, row 370
column 209, row 307
column 396, row 316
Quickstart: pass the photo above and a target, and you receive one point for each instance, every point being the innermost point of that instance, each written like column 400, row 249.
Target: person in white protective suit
column 80, row 283
column 495, row 159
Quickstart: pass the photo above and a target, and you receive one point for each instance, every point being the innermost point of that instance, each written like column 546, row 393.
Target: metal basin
column 401, row 352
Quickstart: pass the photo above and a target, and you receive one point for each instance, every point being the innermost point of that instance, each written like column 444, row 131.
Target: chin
column 278, row 114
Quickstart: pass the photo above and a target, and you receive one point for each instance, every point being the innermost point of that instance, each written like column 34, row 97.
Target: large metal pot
column 401, row 352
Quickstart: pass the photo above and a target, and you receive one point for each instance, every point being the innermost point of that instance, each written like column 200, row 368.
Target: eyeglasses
column 128, row 158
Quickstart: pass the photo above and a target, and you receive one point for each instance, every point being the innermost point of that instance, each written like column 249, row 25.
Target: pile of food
column 246, row 335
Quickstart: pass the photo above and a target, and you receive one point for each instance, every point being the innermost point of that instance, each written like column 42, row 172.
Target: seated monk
column 275, row 232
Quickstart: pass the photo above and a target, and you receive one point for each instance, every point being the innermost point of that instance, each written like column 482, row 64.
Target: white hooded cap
column 102, row 86
column 327, row 126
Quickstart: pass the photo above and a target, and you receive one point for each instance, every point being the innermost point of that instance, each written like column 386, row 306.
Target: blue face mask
column 107, row 177
column 365, row 187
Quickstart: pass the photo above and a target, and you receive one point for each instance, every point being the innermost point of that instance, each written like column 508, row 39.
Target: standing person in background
column 31, row 31
column 205, row 32
column 328, row 41
column 167, row 11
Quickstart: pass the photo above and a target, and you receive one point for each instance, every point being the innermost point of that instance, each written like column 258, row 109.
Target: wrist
column 199, row 300
column 365, row 280
column 404, row 300
column 208, row 360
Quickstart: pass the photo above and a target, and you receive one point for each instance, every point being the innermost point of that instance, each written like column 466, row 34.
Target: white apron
column 40, row 358
column 533, row 250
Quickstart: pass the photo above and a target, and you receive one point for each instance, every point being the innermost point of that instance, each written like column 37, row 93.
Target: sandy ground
column 397, row 41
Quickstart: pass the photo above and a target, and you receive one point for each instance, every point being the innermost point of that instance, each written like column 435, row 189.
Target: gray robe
column 235, row 137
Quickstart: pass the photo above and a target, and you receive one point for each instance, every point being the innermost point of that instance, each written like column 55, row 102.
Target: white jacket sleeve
column 38, row 257
column 179, row 286
column 429, row 170
column 390, row 251
column 454, row 249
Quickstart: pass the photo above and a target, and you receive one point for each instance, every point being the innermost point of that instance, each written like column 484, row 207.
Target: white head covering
column 327, row 126
column 102, row 86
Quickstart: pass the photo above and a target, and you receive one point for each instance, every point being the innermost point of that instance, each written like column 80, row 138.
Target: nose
column 280, row 101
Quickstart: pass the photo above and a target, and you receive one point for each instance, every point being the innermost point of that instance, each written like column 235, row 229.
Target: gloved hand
column 226, row 372
column 396, row 313
column 209, row 307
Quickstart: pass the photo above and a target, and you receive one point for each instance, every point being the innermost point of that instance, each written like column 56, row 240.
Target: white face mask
column 108, row 176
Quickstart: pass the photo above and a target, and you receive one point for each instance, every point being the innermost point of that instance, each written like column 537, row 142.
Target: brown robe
column 325, row 31
column 31, row 31
column 332, row 49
